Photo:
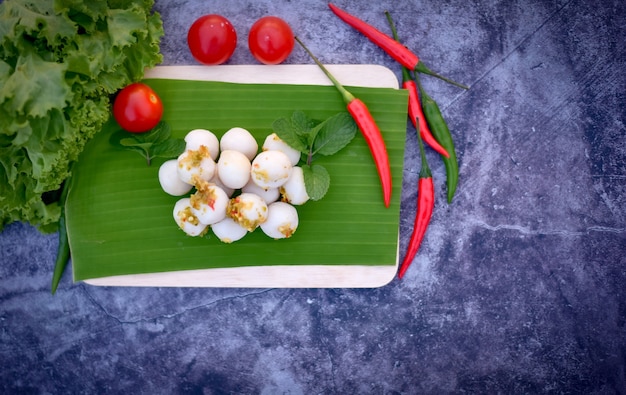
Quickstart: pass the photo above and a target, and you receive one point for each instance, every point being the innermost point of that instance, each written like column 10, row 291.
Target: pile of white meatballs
column 237, row 189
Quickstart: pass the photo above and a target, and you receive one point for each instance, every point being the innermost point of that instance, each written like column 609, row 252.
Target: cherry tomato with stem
column 270, row 40
column 212, row 39
column 137, row 108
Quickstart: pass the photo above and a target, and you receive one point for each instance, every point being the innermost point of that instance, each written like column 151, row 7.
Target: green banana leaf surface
column 120, row 222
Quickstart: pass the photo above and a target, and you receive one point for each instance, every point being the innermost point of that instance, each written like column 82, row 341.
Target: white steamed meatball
column 198, row 137
column 271, row 169
column 169, row 180
column 228, row 231
column 186, row 220
column 275, row 143
column 196, row 163
column 233, row 168
column 282, row 220
column 209, row 203
column 294, row 190
column 270, row 195
column 248, row 210
column 239, row 139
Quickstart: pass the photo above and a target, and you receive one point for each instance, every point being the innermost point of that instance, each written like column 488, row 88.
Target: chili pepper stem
column 421, row 89
column 420, row 67
column 425, row 169
column 347, row 96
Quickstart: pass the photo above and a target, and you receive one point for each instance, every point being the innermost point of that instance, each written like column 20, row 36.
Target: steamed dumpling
column 198, row 137
column 282, row 220
column 196, row 163
column 169, row 180
column 275, row 143
column 234, row 169
column 248, row 210
column 271, row 169
column 241, row 140
column 186, row 220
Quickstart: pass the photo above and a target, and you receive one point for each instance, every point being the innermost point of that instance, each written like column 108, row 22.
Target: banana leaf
column 120, row 222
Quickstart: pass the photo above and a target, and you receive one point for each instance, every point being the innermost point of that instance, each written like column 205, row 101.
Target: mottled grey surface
column 519, row 285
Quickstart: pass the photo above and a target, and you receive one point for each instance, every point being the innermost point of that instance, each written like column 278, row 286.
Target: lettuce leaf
column 60, row 63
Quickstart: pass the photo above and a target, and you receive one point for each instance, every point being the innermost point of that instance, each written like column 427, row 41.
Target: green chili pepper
column 63, row 251
column 440, row 130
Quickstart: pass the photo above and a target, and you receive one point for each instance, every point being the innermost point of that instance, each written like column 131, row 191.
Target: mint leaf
column 316, row 181
column 285, row 129
column 133, row 142
column 121, row 140
column 312, row 135
column 301, row 123
column 316, row 138
column 160, row 133
column 168, row 149
column 334, row 134
column 152, row 144
column 117, row 137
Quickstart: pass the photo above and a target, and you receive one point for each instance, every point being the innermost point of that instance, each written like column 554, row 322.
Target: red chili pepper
column 396, row 50
column 440, row 130
column 425, row 205
column 368, row 127
column 417, row 115
column 435, row 123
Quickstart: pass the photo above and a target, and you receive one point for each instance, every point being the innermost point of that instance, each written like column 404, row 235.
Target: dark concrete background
column 519, row 285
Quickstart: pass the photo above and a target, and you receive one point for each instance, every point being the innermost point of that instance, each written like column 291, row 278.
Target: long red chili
column 396, row 50
column 416, row 114
column 425, row 205
column 368, row 127
column 440, row 130
column 374, row 139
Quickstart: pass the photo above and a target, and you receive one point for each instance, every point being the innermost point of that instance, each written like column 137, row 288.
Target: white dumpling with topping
column 248, row 210
column 169, row 180
column 228, row 231
column 198, row 137
column 271, row 169
column 270, row 195
column 196, row 163
column 275, row 143
column 209, row 203
column 233, row 168
column 294, row 190
column 186, row 220
column 239, row 139
column 282, row 220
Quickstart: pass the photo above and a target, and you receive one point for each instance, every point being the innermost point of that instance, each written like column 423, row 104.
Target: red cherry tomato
column 212, row 39
column 137, row 108
column 270, row 40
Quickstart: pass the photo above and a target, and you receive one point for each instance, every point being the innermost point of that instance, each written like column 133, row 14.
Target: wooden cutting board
column 322, row 276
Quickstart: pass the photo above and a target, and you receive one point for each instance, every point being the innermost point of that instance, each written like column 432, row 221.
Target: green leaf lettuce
column 60, row 63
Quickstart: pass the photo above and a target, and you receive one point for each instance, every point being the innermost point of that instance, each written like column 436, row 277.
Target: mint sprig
column 157, row 142
column 316, row 181
column 315, row 138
